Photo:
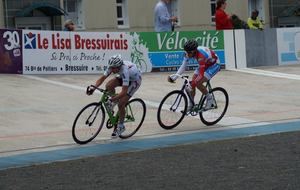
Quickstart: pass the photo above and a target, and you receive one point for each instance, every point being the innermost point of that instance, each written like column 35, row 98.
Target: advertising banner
column 165, row 49
column 11, row 51
column 56, row 52
column 51, row 52
column 288, row 41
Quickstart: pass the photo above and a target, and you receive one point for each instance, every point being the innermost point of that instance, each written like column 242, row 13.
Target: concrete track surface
column 255, row 146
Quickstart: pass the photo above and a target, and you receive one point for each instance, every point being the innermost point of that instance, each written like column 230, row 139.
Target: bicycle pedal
column 194, row 113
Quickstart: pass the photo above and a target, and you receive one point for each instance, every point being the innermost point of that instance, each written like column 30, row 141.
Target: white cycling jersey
column 128, row 72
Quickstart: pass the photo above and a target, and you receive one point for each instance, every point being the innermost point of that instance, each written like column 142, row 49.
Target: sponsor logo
column 30, row 41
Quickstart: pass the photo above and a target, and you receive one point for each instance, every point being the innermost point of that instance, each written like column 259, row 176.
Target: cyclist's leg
column 200, row 82
column 112, row 84
column 122, row 103
column 208, row 74
column 193, row 92
column 201, row 86
column 212, row 71
column 195, row 75
column 132, row 88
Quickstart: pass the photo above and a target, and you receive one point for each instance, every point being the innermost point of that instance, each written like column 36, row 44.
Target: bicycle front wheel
column 216, row 113
column 88, row 123
column 134, row 117
column 172, row 109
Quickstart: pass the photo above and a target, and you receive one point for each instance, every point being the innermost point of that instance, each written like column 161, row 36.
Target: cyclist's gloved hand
column 171, row 79
column 90, row 90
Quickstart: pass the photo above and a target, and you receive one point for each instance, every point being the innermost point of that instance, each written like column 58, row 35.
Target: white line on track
column 268, row 73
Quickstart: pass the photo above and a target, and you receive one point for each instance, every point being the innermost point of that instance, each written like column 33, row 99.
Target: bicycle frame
column 196, row 107
column 113, row 118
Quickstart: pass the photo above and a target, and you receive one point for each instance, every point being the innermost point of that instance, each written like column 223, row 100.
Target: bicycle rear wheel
column 216, row 113
column 134, row 117
column 88, row 123
column 172, row 109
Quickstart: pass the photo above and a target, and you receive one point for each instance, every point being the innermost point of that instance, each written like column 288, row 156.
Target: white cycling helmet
column 115, row 61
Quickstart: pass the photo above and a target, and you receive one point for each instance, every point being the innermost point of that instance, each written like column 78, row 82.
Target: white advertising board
column 288, row 41
column 55, row 52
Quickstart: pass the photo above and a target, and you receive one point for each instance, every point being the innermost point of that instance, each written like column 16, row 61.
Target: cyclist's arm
column 181, row 69
column 100, row 80
column 125, row 84
column 106, row 73
column 250, row 24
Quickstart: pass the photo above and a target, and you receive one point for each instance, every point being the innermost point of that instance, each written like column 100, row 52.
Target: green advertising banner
column 165, row 49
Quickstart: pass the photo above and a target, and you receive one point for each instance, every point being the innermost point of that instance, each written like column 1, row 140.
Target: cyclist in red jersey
column 208, row 67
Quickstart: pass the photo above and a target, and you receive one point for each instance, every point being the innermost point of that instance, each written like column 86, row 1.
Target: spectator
column 162, row 18
column 237, row 23
column 223, row 21
column 253, row 22
column 69, row 25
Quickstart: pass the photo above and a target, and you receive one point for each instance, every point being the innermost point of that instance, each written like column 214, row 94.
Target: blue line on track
column 142, row 144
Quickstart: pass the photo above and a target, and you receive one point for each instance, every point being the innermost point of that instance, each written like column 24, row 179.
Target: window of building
column 213, row 11
column 122, row 18
column 287, row 25
column 70, row 6
column 75, row 12
column 257, row 5
column 174, row 10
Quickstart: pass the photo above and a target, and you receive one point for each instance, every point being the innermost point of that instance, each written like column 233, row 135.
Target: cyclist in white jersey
column 129, row 77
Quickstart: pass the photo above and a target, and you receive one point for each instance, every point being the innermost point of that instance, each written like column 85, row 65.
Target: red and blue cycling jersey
column 206, row 58
column 207, row 66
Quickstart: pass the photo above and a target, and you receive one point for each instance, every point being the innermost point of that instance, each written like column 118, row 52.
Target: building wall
column 2, row 25
column 140, row 14
column 100, row 15
column 193, row 14
column 238, row 7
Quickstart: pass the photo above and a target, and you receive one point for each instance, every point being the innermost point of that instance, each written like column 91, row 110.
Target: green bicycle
column 90, row 120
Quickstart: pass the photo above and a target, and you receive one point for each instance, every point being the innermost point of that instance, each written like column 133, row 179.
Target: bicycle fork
column 176, row 103
column 87, row 122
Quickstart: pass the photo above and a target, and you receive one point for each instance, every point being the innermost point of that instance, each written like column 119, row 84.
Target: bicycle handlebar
column 184, row 77
column 100, row 89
